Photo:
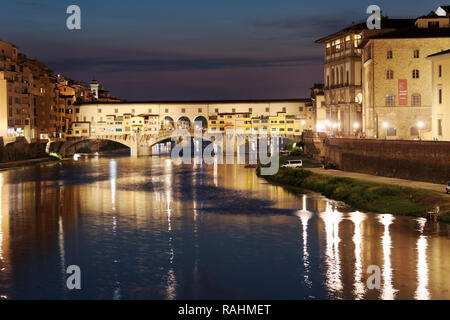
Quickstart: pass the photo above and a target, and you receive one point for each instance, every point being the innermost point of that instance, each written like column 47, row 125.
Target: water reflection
column 1, row 222
column 388, row 291
column 422, row 292
column 304, row 216
column 359, row 287
column 148, row 229
column 170, row 277
column 332, row 217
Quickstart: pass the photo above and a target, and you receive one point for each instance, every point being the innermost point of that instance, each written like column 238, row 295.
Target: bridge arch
column 203, row 120
column 184, row 122
column 70, row 147
column 168, row 123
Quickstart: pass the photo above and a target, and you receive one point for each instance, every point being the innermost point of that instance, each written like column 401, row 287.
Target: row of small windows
column 416, row 100
column 390, row 74
column 416, row 54
column 183, row 110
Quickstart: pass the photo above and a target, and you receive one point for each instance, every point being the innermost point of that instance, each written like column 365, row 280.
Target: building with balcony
column 343, row 70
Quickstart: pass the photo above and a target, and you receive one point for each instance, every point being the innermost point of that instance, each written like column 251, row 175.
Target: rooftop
column 439, row 53
column 410, row 33
column 386, row 23
column 202, row 101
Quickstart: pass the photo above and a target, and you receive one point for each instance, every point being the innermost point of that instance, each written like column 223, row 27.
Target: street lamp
column 420, row 125
column 385, row 126
column 356, row 128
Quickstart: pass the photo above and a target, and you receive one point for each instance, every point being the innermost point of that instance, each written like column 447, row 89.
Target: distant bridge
column 140, row 144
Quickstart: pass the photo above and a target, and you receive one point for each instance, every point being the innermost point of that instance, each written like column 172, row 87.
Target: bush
column 363, row 195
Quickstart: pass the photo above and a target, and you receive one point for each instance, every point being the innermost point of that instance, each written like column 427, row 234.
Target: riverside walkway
column 394, row 181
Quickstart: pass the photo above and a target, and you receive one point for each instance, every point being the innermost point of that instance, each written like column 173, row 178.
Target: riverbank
column 28, row 162
column 367, row 195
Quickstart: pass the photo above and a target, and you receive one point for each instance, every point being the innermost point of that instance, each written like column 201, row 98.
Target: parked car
column 293, row 164
column 447, row 189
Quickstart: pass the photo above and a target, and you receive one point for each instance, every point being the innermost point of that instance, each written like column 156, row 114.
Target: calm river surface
column 147, row 229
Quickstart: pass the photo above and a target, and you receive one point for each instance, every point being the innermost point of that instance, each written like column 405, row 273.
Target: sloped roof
column 439, row 53
column 410, row 33
column 386, row 23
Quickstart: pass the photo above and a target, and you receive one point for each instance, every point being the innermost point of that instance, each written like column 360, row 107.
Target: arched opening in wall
column 168, row 123
column 391, row 132
column 184, row 123
column 414, row 131
column 202, row 119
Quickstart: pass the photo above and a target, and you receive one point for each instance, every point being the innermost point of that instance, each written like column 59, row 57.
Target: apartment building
column 440, row 95
column 17, row 103
column 342, row 74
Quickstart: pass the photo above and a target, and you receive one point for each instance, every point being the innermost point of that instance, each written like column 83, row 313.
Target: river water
column 145, row 228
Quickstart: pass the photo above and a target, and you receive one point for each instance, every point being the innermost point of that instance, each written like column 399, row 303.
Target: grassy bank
column 366, row 196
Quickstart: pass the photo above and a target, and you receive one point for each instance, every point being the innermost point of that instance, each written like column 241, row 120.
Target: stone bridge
column 141, row 144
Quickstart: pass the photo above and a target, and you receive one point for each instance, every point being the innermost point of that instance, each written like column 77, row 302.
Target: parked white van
column 293, row 164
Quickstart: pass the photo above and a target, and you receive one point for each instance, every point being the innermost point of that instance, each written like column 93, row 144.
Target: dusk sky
column 187, row 50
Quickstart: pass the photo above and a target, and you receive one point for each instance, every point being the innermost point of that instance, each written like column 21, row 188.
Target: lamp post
column 420, row 125
column 385, row 126
column 356, row 127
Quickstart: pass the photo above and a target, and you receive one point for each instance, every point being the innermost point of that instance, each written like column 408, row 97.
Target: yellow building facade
column 290, row 117
column 397, row 81
column 440, row 92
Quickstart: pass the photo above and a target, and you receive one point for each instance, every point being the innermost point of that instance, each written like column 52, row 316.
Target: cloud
column 181, row 63
column 307, row 25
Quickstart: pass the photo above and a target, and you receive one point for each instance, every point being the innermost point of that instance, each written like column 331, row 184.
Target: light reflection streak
column 359, row 287
column 113, row 177
column 388, row 291
column 332, row 218
column 1, row 220
column 304, row 216
column 170, row 278
column 62, row 253
column 422, row 292
column 216, row 183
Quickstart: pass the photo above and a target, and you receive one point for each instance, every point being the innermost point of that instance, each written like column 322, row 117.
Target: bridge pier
column 140, row 151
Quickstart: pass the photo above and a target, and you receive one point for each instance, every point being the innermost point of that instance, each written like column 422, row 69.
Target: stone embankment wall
column 415, row 160
column 21, row 150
